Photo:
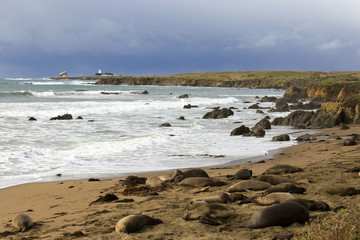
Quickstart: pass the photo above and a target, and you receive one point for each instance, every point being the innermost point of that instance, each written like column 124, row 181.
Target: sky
column 41, row 38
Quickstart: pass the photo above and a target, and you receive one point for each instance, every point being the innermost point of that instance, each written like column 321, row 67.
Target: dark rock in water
column 165, row 125
column 110, row 93
column 254, row 106
column 62, row 117
column 298, row 119
column 79, row 117
column 91, row 120
column 268, row 99
column 257, row 132
column 259, row 111
column 282, row 137
column 306, row 137
column 184, row 96
column 349, row 142
column 240, row 131
column 32, row 119
column 263, row 124
column 188, row 106
column 278, row 121
column 218, row 114
column 143, row 92
column 281, row 105
column 181, row 118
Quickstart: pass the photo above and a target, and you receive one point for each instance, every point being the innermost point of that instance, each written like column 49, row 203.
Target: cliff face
column 333, row 92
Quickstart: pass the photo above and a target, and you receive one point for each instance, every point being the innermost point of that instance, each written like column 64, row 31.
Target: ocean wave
column 16, row 93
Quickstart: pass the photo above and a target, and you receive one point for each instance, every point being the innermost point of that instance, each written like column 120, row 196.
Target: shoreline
column 62, row 209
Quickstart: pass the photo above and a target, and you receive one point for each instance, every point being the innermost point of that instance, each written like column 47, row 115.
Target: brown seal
column 286, row 187
column 272, row 198
column 211, row 210
column 134, row 223
column 221, row 197
column 22, row 221
column 282, row 214
column 201, row 182
column 311, row 205
column 243, row 174
column 274, row 179
column 155, row 183
column 249, row 185
column 341, row 190
column 282, row 168
column 178, row 175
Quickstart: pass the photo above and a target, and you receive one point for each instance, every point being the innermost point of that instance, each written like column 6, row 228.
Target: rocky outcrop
column 184, row 96
column 298, row 119
column 188, row 106
column 278, row 121
column 306, row 106
column 268, row 99
column 281, row 105
column 240, row 131
column 294, row 94
column 219, row 113
column 62, row 117
column 280, row 138
column 165, row 125
column 63, row 75
column 263, row 124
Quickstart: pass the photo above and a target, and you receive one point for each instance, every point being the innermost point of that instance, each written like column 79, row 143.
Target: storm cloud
column 41, row 38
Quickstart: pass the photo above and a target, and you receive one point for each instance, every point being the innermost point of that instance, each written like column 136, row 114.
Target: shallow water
column 120, row 133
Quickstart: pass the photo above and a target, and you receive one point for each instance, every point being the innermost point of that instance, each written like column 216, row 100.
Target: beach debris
column 110, row 197
column 282, row 169
column 284, row 236
column 136, row 189
column 134, row 180
column 205, row 189
column 22, row 222
column 134, row 223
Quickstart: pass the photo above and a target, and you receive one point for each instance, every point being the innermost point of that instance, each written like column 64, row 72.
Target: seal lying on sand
column 285, row 187
column 22, row 221
column 274, row 179
column 243, row 174
column 155, row 183
column 282, row 168
column 222, row 197
column 134, row 223
column 282, row 214
column 210, row 210
column 272, row 198
column 201, row 182
column 341, row 190
column 178, row 175
column 311, row 205
column 249, row 185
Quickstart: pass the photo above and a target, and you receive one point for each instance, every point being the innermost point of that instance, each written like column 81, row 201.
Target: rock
column 188, row 106
column 293, row 94
column 32, row 119
column 259, row 111
column 143, row 92
column 349, row 141
column 307, row 106
column 110, row 93
column 165, row 125
column 181, row 118
column 184, row 96
column 62, row 117
column 306, row 137
column 240, row 131
column 282, row 137
column 278, row 121
column 281, row 105
column 298, row 119
column 258, row 132
column 268, row 99
column 79, row 117
column 218, row 114
column 63, row 74
column 254, row 106
column 263, row 124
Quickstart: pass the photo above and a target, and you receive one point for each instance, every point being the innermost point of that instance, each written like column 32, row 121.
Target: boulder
column 281, row 105
column 165, row 125
column 254, row 106
column 32, row 119
column 263, row 123
column 268, row 99
column 306, row 137
column 307, row 106
column 298, row 119
column 62, row 117
column 188, row 106
column 240, row 131
column 280, row 138
column 184, row 96
column 181, row 118
column 218, row 114
column 278, row 121
column 293, row 94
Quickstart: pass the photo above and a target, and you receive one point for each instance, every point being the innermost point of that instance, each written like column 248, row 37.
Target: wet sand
column 62, row 210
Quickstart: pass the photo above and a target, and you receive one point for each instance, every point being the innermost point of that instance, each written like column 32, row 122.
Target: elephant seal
column 201, row 182
column 248, row 185
column 179, row 175
column 282, row 168
column 134, row 223
column 282, row 214
column 243, row 174
column 341, row 190
column 311, row 205
column 235, row 196
column 285, row 187
column 272, row 198
column 274, row 179
column 22, row 221
column 211, row 210
column 222, row 197
column 155, row 183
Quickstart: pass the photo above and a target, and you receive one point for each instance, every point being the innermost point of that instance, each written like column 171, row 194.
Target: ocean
column 119, row 133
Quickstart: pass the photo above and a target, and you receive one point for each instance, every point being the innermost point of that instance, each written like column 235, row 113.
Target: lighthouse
column 99, row 72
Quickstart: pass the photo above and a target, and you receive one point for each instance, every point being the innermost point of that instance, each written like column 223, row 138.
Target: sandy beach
column 65, row 209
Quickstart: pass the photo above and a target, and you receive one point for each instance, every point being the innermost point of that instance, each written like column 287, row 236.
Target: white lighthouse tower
column 99, row 72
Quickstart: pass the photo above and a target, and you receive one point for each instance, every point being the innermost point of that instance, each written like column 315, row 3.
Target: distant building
column 99, row 73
